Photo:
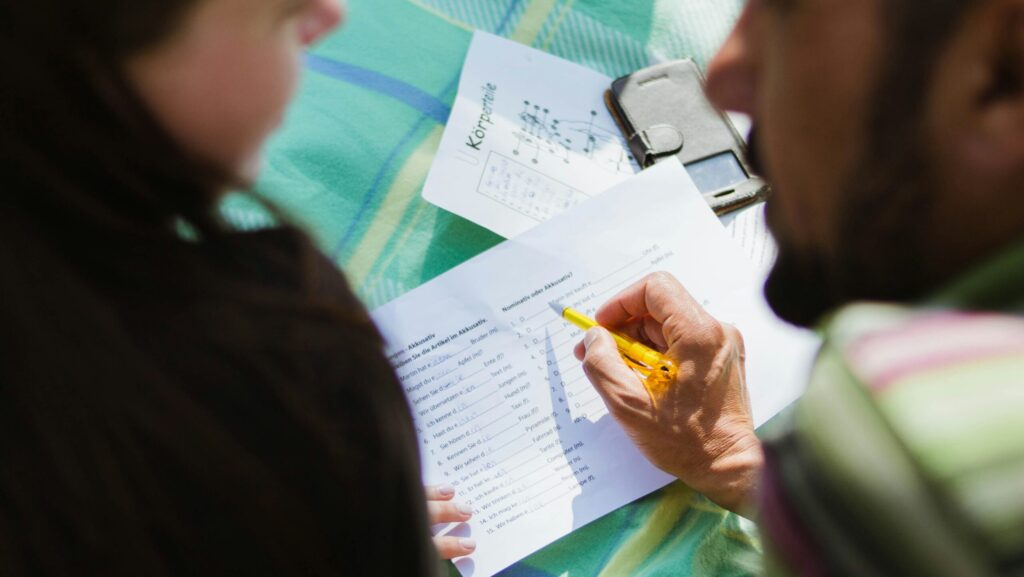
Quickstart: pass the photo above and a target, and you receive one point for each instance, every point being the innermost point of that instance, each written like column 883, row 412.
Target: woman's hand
column 700, row 427
column 441, row 509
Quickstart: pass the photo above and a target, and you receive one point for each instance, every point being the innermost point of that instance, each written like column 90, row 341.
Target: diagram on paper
column 526, row 190
column 540, row 133
column 529, row 137
column 520, row 182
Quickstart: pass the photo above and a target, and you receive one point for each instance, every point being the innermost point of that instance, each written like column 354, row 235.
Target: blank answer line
column 478, row 415
column 526, row 476
column 485, row 427
column 556, row 471
column 560, row 497
column 581, row 391
column 526, row 462
column 473, row 375
column 503, row 431
column 549, row 322
column 573, row 339
column 519, row 452
column 510, row 442
column 617, row 271
column 537, row 314
column 551, row 488
column 576, row 380
column 572, row 354
column 587, row 387
column 488, row 395
column 463, row 350
column 621, row 285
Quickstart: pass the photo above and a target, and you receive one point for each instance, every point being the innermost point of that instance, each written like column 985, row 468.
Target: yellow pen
column 652, row 365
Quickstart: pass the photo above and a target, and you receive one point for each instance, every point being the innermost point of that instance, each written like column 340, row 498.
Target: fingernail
column 465, row 509
column 467, row 544
column 590, row 337
column 446, row 490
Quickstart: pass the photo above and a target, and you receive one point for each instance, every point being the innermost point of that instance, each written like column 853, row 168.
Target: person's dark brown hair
column 209, row 403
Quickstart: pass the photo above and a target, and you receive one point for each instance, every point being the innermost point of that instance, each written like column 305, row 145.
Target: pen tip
column 559, row 309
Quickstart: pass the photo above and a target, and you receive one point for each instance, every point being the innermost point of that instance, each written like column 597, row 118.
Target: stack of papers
column 502, row 408
column 530, row 137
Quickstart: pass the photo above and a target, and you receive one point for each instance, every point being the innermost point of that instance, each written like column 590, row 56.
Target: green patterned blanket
column 354, row 153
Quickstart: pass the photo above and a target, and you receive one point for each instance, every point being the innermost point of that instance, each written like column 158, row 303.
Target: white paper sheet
column 503, row 409
column 749, row 230
column 529, row 136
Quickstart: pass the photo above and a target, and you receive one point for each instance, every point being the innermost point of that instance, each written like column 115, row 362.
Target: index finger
column 658, row 296
column 439, row 492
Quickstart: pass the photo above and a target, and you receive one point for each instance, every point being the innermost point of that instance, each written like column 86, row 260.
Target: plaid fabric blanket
column 355, row 150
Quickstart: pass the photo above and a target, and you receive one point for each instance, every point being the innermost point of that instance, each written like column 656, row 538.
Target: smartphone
column 663, row 112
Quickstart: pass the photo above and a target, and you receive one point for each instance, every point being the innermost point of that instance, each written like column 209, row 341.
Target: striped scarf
column 906, row 455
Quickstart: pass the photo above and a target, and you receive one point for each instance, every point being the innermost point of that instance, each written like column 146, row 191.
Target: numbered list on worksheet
column 505, row 413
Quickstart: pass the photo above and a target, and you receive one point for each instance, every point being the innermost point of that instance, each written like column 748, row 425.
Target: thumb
column 609, row 374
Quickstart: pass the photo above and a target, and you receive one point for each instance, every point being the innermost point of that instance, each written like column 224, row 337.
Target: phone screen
column 717, row 172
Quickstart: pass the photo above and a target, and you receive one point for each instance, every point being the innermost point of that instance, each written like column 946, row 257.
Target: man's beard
column 880, row 252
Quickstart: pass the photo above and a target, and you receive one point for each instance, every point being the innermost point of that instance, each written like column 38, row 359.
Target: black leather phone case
column 663, row 112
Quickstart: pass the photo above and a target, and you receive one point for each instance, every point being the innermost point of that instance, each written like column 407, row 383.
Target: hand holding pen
column 697, row 426
column 655, row 370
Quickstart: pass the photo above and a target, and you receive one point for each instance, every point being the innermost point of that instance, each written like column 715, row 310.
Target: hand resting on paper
column 441, row 509
column 700, row 429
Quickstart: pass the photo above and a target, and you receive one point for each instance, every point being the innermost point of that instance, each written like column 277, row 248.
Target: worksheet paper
column 529, row 136
column 502, row 408
column 748, row 228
